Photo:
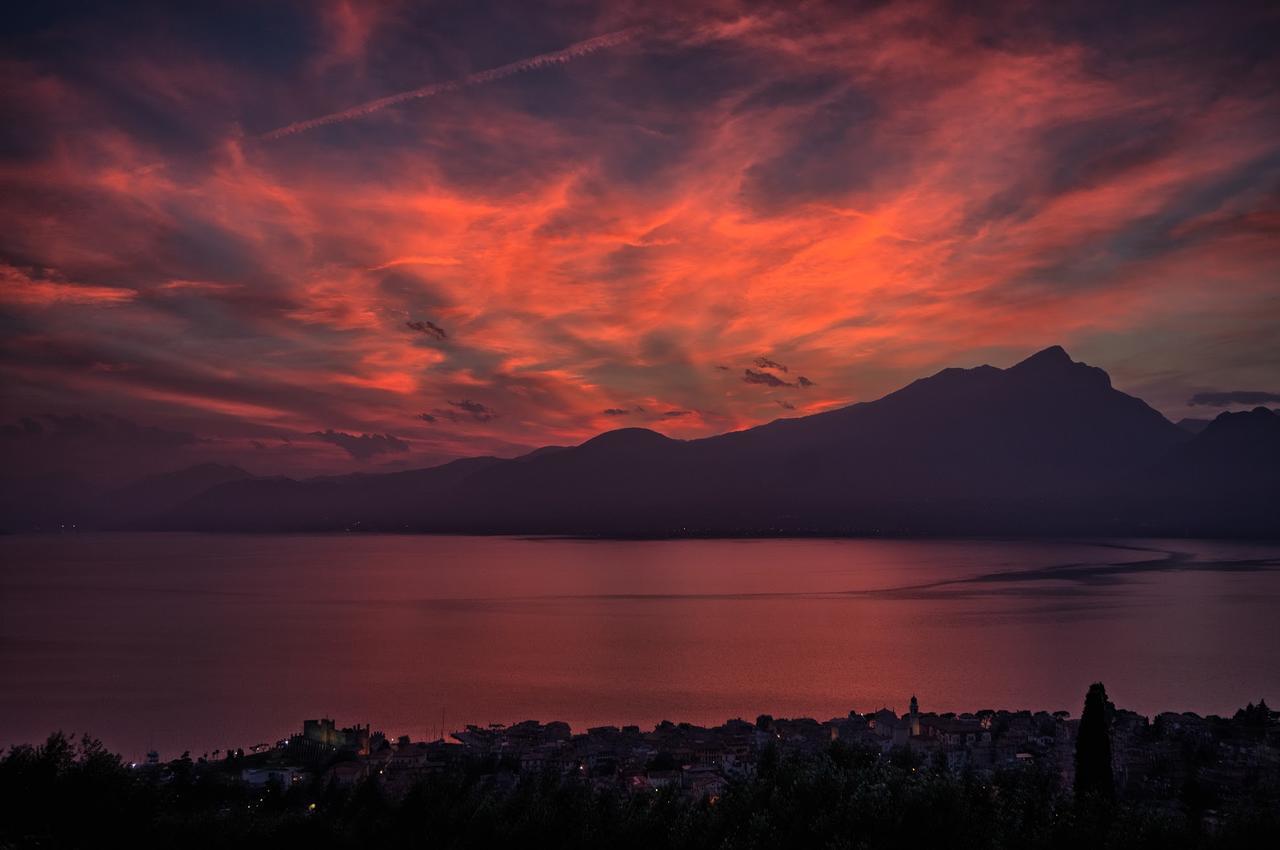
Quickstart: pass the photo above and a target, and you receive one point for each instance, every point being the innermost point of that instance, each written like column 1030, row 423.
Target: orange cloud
column 865, row 196
column 19, row 288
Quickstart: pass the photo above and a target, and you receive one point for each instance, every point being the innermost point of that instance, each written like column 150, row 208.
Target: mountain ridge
column 1046, row 446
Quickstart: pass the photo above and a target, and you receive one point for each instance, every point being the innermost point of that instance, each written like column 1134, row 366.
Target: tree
column 1093, row 747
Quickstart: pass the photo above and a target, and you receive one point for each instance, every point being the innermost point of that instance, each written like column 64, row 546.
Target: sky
column 326, row 237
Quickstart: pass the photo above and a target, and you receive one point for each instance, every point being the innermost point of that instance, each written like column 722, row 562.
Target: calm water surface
column 201, row 642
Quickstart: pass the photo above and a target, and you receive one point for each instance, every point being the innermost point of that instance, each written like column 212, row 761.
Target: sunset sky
column 223, row 237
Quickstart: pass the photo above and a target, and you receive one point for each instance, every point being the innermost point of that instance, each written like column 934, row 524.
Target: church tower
column 913, row 718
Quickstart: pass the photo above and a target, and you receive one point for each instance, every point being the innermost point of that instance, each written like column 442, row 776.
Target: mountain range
column 1045, row 447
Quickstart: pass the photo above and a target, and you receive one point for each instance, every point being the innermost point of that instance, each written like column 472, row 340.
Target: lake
column 181, row 641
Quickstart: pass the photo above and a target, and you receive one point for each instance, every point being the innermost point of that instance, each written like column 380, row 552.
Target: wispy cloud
column 1225, row 398
column 557, row 57
column 17, row 287
column 416, row 261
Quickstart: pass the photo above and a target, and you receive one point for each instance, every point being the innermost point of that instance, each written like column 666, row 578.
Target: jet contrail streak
column 558, row 57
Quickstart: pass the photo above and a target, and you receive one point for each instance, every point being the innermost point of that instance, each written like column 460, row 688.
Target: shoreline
column 986, row 739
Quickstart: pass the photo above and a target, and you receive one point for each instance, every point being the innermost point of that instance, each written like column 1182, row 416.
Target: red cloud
column 865, row 196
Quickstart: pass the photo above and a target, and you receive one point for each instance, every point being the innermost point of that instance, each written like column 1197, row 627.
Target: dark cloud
column 751, row 376
column 833, row 151
column 723, row 368
column 1224, row 398
column 103, row 428
column 461, row 411
column 429, row 328
column 1080, row 152
column 476, row 410
column 615, row 411
column 786, row 405
column 363, row 446
column 94, row 447
column 802, row 90
column 804, row 383
column 674, row 414
column 207, row 250
column 766, row 363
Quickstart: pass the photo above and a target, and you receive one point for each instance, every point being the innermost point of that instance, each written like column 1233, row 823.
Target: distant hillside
column 157, row 494
column 1193, row 426
column 1225, row 482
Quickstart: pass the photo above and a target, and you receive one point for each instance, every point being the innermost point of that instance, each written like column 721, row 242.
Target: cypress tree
column 1093, row 747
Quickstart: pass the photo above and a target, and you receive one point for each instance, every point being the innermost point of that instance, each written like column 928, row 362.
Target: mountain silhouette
column 1225, row 482
column 155, row 493
column 1047, row 446
column 1233, row 449
column 1193, row 426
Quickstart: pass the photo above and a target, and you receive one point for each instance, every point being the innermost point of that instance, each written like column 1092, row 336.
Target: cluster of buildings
column 1150, row 758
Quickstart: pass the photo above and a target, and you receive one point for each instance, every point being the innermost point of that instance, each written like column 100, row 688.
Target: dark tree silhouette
column 66, row 795
column 1093, row 747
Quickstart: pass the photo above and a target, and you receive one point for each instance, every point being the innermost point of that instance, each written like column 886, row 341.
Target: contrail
column 558, row 57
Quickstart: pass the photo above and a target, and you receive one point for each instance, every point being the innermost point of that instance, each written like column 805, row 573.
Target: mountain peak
column 627, row 438
column 1258, row 417
column 1054, row 355
column 1054, row 364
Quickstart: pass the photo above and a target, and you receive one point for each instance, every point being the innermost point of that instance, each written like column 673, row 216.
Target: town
column 1153, row 759
column 989, row 778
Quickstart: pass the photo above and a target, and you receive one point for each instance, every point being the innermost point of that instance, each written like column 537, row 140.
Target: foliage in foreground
column 66, row 794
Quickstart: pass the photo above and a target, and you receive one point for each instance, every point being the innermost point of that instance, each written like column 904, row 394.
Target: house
column 347, row 773
column 259, row 777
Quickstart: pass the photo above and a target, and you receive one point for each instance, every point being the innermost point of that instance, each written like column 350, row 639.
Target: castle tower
column 913, row 718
